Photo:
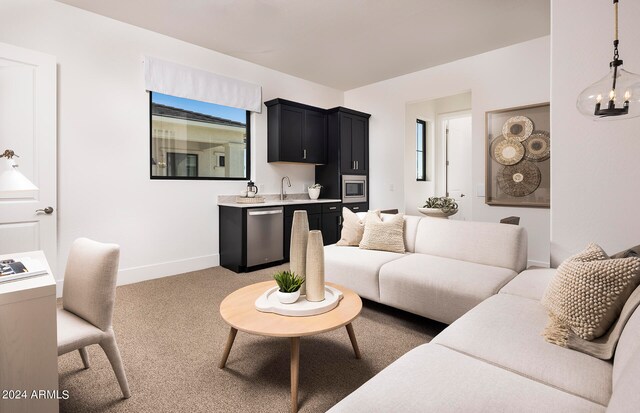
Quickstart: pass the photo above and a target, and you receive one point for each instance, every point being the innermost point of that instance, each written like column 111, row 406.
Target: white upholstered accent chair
column 88, row 298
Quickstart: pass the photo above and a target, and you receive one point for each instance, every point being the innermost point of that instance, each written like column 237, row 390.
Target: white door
column 458, row 163
column 28, row 127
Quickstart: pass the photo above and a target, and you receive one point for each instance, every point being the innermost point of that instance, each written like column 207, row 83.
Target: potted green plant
column 314, row 191
column 288, row 286
column 439, row 207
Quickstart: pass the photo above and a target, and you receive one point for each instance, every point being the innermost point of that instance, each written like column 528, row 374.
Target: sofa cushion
column 505, row 330
column 410, row 230
column 356, row 268
column 432, row 378
column 530, row 283
column 626, row 397
column 439, row 288
column 628, row 345
column 384, row 236
column 486, row 243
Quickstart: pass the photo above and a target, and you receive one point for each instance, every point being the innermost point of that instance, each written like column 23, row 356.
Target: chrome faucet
column 283, row 195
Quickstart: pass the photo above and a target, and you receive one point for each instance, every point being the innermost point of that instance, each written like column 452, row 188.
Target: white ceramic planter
column 288, row 298
column 314, row 193
column 436, row 212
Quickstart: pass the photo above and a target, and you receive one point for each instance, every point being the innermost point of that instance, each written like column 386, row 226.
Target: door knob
column 48, row 210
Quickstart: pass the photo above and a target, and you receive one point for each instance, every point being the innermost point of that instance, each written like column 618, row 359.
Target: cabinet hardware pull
column 357, row 165
column 353, row 163
column 332, row 208
column 339, row 220
column 304, row 154
column 356, row 208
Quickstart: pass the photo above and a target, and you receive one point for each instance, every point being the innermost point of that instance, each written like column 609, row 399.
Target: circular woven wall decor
column 519, row 180
column 537, row 147
column 517, row 127
column 507, row 151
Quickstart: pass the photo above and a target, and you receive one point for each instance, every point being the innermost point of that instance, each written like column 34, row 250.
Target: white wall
column 512, row 76
column 417, row 192
column 104, row 192
column 594, row 165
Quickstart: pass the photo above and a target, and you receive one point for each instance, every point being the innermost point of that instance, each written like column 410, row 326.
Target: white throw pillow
column 384, row 236
column 353, row 227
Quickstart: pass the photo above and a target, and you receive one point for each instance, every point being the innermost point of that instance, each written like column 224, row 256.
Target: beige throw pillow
column 384, row 236
column 353, row 227
column 586, row 297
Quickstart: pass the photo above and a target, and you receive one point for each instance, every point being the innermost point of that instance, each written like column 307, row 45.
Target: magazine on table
column 20, row 267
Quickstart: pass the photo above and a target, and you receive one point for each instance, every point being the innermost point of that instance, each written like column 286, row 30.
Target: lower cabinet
column 331, row 223
column 324, row 217
column 359, row 207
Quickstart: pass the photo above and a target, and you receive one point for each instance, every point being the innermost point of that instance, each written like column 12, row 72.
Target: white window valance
column 186, row 82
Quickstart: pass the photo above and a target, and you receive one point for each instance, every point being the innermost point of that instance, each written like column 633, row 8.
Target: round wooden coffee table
column 239, row 311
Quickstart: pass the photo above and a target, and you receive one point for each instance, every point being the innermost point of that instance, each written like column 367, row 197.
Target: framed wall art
column 518, row 157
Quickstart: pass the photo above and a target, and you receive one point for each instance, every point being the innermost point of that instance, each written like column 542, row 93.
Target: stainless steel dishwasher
column 265, row 227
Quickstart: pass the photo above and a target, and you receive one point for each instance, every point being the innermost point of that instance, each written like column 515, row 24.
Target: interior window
column 191, row 139
column 421, row 150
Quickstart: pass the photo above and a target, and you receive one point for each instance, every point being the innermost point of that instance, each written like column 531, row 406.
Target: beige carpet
column 171, row 337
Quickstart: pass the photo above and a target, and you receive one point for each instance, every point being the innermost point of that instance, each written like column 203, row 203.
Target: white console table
column 28, row 341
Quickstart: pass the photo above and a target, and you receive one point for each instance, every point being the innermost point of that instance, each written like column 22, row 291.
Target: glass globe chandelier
column 615, row 96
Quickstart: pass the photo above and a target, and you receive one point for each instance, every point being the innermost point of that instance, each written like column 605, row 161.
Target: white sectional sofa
column 494, row 359
column 449, row 268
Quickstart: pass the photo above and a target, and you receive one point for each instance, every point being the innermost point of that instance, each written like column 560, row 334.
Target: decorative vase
column 298, row 248
column 314, row 193
column 315, row 267
column 288, row 298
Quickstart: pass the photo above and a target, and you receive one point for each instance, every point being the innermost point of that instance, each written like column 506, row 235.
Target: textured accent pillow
column 631, row 252
column 587, row 295
column 384, row 236
column 353, row 227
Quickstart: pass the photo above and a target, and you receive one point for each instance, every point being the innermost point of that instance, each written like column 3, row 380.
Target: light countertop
column 277, row 202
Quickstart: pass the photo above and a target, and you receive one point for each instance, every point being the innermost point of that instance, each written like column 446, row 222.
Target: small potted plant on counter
column 314, row 191
column 288, row 286
column 439, row 207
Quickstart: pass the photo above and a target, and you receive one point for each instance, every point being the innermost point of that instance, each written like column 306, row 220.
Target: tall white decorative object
column 298, row 247
column 315, row 267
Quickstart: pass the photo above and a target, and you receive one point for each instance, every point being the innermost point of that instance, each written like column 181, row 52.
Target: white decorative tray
column 268, row 303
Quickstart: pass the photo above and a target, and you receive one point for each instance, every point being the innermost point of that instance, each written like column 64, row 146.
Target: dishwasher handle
column 271, row 212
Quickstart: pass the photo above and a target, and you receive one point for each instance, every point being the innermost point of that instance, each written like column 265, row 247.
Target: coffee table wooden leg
column 227, row 348
column 352, row 337
column 295, row 368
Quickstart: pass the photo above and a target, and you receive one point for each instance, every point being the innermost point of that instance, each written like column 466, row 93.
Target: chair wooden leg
column 110, row 348
column 84, row 356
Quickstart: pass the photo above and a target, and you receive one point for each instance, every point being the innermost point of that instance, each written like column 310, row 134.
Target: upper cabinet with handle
column 296, row 132
column 352, row 129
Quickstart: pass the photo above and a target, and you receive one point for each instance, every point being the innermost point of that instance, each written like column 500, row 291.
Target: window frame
column 424, row 150
column 199, row 178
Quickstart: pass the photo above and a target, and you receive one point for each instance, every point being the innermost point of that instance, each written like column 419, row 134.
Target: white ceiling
column 340, row 43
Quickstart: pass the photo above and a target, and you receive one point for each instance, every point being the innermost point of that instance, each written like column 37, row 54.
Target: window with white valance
column 200, row 122
column 182, row 81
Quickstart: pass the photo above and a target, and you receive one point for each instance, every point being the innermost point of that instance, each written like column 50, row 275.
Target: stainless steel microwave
column 354, row 188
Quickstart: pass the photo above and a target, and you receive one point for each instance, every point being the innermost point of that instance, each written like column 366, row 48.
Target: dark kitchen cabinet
column 296, row 132
column 359, row 207
column 354, row 143
column 347, row 149
column 314, row 214
column 331, row 222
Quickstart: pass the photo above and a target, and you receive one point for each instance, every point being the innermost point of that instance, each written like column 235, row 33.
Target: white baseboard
column 534, row 263
column 164, row 269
